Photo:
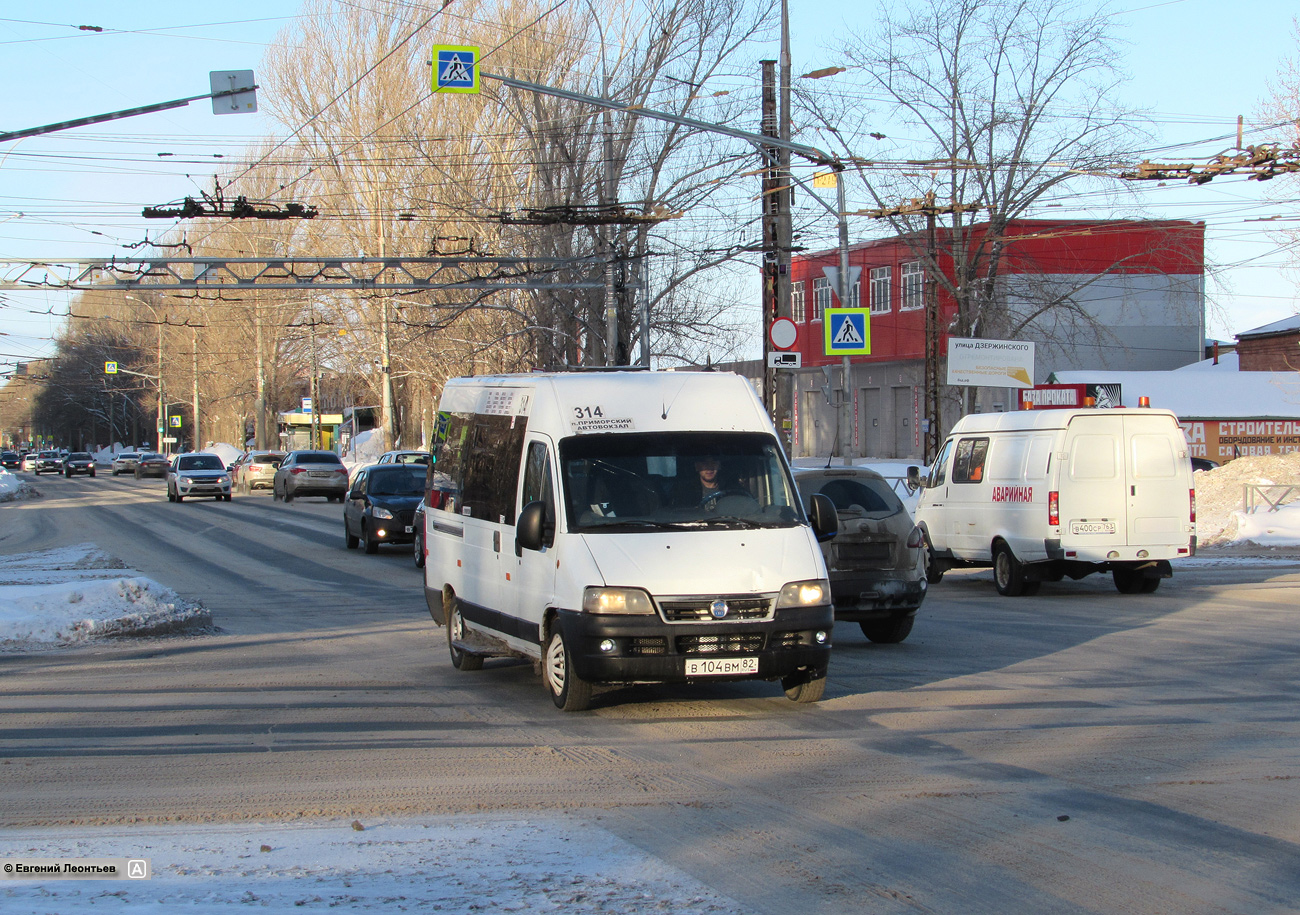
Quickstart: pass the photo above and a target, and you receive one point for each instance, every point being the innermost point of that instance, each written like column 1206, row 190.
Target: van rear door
column 1158, row 481
column 1093, row 482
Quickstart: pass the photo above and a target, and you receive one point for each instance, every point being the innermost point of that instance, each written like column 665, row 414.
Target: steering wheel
column 710, row 502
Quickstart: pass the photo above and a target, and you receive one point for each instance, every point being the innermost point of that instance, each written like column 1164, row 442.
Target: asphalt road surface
column 1077, row 751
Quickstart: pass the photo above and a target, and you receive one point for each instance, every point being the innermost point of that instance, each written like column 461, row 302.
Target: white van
column 621, row 528
column 1042, row 494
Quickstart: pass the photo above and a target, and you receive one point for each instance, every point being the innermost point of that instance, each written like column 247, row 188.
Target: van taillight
column 1053, row 508
column 1192, row 494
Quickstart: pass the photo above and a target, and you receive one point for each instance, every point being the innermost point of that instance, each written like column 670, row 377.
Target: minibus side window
column 537, row 480
column 490, row 471
column 968, row 465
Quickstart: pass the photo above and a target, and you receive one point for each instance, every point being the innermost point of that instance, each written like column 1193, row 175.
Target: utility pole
column 783, row 416
column 194, row 368
column 928, row 207
column 771, row 241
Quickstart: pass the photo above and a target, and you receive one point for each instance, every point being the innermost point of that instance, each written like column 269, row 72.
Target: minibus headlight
column 616, row 600
column 804, row 594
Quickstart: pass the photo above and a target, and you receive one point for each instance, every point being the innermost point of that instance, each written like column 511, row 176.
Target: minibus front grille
column 715, row 644
column 786, row 641
column 647, row 645
column 693, row 609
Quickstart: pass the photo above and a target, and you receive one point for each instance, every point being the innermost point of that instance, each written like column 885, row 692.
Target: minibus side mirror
column 530, row 529
column 914, row 481
column 825, row 519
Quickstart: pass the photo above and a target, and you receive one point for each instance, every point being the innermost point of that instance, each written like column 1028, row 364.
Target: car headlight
column 224, row 478
column 381, row 513
column 812, row 593
column 617, row 600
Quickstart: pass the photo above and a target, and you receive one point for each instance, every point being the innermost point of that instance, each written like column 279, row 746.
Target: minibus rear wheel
column 1009, row 573
column 460, row 659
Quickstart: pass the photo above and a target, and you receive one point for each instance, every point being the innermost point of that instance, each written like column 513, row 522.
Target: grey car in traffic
column 877, row 560
column 310, row 473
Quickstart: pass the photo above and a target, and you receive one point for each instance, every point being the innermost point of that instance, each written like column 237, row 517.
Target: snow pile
column 366, row 449
column 224, row 450
column 76, row 594
column 12, row 488
column 1220, row 500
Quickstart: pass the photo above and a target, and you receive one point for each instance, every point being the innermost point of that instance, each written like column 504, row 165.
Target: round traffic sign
column 783, row 333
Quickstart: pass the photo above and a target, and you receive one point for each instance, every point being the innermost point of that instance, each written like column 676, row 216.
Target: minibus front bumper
column 609, row 648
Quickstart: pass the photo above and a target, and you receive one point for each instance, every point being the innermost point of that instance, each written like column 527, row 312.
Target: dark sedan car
column 877, row 560
column 11, row 460
column 380, row 506
column 79, row 462
column 152, row 464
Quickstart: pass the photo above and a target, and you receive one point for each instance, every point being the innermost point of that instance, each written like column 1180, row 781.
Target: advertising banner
column 1223, row 440
column 990, row 363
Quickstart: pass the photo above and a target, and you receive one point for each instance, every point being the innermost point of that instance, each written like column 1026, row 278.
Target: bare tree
column 1006, row 105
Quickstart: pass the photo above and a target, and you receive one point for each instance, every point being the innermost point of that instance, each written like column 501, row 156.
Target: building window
column 796, row 302
column 856, row 295
column 821, row 297
column 880, row 290
column 913, row 286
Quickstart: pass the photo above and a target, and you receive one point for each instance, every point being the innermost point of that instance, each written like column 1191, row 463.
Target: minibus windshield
column 634, row 482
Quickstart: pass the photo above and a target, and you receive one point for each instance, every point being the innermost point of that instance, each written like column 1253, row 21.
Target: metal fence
column 1274, row 495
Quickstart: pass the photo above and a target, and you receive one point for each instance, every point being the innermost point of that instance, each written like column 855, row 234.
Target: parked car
column 125, row 462
column 877, row 560
column 310, row 473
column 380, row 507
column 152, row 464
column 48, row 462
column 255, row 470
column 405, row 457
column 11, row 460
column 78, row 462
column 417, row 544
column 198, row 474
column 1200, row 463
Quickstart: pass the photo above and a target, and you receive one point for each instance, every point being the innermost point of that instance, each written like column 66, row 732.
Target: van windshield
column 629, row 483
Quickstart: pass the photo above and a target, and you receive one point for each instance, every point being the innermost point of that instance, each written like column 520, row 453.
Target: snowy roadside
column 483, row 863
column 71, row 595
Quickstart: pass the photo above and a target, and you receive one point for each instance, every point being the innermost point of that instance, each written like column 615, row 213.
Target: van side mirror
column 825, row 519
column 530, row 529
column 914, row 481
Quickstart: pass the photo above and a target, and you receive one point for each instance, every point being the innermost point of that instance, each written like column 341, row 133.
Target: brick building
column 1272, row 348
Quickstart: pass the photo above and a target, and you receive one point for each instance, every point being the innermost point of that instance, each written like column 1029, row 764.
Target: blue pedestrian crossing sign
column 848, row 331
column 455, row 68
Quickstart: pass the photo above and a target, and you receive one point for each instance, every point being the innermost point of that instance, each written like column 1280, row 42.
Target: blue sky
column 1195, row 66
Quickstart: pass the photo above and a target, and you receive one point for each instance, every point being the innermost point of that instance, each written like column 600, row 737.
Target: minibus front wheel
column 570, row 692
column 802, row 688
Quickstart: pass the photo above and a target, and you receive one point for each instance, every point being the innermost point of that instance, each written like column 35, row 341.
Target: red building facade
column 1135, row 291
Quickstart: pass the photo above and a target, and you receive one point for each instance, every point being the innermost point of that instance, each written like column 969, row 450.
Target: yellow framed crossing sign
column 455, row 68
column 848, row 331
